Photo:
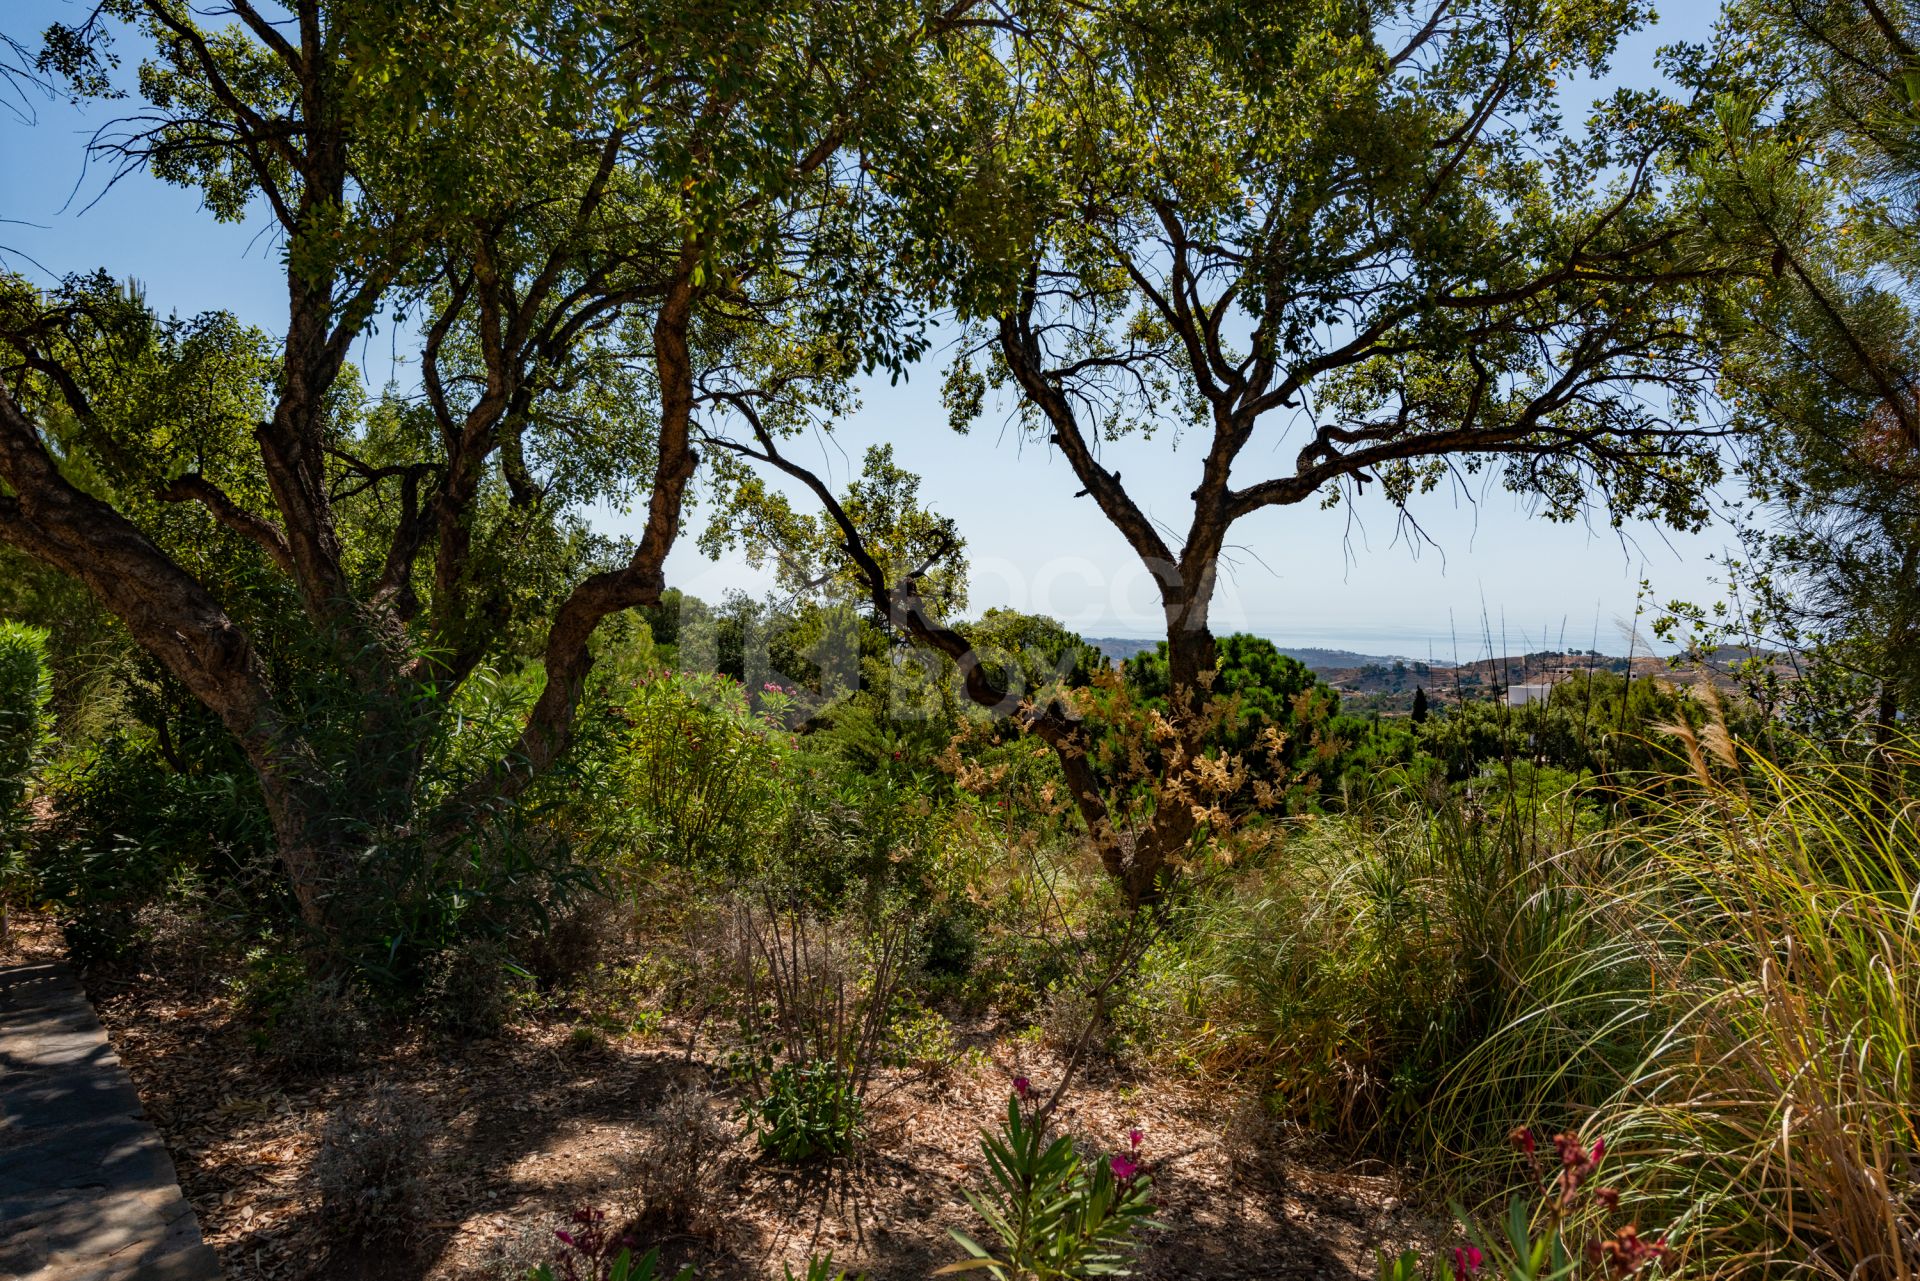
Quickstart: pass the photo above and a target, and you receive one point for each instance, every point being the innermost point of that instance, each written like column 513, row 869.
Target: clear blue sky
column 1301, row 575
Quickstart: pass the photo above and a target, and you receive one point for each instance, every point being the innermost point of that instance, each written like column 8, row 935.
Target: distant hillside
column 1321, row 661
column 1118, row 648
column 1339, row 660
column 1384, row 683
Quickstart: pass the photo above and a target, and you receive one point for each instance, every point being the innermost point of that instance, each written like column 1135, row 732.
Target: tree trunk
column 175, row 619
column 1141, row 863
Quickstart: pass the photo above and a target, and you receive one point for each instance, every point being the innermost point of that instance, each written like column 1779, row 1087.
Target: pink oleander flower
column 1124, row 1168
column 1467, row 1261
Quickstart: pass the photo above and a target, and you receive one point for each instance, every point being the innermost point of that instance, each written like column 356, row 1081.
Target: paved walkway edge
column 87, row 1190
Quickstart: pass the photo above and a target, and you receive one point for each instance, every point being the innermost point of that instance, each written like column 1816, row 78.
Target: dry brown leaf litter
column 527, row 1130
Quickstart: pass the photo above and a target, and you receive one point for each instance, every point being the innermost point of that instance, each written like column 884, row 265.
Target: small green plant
column 820, row 1268
column 1058, row 1217
column 807, row 1110
column 304, row 1022
column 923, row 1040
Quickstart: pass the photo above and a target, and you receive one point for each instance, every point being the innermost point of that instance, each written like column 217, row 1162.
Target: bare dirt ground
column 525, row 1128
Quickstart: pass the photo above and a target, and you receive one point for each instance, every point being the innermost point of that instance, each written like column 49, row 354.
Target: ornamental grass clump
column 1776, row 1115
column 1757, row 935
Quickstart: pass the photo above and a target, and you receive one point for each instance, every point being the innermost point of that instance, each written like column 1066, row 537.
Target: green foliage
column 26, row 689
column 128, row 826
column 1605, row 724
column 1358, row 971
column 588, row 1258
column 25, row 692
column 805, row 1110
column 1031, row 655
column 1802, row 167
column 907, row 542
column 819, row 1268
column 1058, row 1216
column 1781, row 906
column 306, row 1022
column 693, row 777
column 1258, row 691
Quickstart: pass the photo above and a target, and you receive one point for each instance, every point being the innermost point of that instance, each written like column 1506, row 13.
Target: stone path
column 87, row 1190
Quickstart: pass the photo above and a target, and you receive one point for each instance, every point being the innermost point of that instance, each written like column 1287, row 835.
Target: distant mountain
column 1340, row 660
column 1118, row 648
column 1319, row 660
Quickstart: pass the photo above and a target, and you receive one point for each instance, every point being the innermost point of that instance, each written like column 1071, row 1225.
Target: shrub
column 697, row 777
column 472, row 988
column 923, row 1040
column 1563, row 1228
column 127, row 826
column 1774, row 1121
column 1058, row 1217
column 676, row 1170
column 804, row 1110
column 307, row 1023
column 1415, row 977
column 372, row 1155
column 577, row 936
column 817, row 1000
column 25, row 731
column 320, row 1027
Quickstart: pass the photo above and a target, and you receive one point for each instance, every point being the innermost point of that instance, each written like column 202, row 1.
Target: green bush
column 696, row 779
column 127, row 827
column 25, row 732
column 1773, row 1119
column 805, row 1110
column 304, row 1022
column 1354, row 971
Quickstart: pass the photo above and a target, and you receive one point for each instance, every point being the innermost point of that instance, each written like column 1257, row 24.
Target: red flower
column 1023, row 1087
column 1467, row 1261
column 1522, row 1138
column 1577, row 1163
column 1625, row 1254
column 1134, row 1137
column 1124, row 1168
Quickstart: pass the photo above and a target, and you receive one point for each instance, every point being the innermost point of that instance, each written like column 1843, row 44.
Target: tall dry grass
column 1774, row 1119
column 1723, row 979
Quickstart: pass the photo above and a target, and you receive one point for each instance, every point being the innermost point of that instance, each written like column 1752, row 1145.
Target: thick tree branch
column 199, row 489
